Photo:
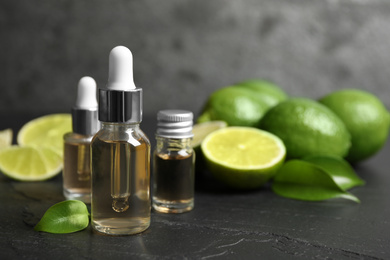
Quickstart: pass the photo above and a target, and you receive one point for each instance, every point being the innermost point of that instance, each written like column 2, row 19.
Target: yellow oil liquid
column 173, row 183
column 76, row 172
column 120, row 186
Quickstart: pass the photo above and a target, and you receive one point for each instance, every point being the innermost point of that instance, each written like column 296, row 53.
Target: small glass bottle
column 76, row 171
column 173, row 163
column 120, row 154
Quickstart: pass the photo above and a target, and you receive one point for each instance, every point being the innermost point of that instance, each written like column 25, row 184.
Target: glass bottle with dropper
column 173, row 162
column 120, row 154
column 76, row 171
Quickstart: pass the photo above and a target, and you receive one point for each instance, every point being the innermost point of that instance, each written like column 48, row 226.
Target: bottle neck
column 85, row 121
column 172, row 144
column 119, row 126
column 120, row 106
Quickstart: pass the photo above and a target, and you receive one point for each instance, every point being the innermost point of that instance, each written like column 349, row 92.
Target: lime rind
column 243, row 180
column 242, row 104
column 270, row 93
column 365, row 117
column 307, row 128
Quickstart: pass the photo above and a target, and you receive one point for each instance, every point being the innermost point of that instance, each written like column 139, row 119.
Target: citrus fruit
column 30, row 163
column 243, row 104
column 46, row 131
column 243, row 157
column 5, row 138
column 365, row 117
column 270, row 93
column 235, row 106
column 201, row 130
column 307, row 128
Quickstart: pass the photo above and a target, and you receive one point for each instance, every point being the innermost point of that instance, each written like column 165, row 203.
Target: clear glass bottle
column 120, row 154
column 173, row 163
column 76, row 171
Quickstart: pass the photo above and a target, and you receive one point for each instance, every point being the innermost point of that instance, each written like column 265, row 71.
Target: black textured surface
column 223, row 225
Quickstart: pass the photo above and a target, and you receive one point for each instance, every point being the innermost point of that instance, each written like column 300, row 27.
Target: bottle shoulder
column 77, row 138
column 173, row 145
column 129, row 135
column 183, row 153
column 173, row 149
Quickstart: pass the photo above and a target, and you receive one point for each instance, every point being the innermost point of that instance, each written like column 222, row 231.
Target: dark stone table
column 223, row 225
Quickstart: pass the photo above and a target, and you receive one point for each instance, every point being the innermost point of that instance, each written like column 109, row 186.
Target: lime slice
column 243, row 157
column 203, row 129
column 46, row 131
column 5, row 138
column 30, row 163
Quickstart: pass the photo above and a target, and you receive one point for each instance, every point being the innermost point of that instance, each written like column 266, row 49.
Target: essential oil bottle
column 120, row 154
column 173, row 163
column 76, row 171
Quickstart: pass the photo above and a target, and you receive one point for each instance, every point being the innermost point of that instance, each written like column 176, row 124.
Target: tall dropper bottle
column 120, row 154
column 76, row 172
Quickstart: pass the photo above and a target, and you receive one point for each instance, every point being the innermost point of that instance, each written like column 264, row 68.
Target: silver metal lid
column 85, row 111
column 120, row 106
column 174, row 124
column 85, row 121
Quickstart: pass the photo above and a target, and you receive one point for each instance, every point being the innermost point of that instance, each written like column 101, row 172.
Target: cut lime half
column 243, row 157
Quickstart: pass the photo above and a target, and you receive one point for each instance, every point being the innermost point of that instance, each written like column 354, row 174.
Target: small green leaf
column 339, row 169
column 64, row 217
column 305, row 181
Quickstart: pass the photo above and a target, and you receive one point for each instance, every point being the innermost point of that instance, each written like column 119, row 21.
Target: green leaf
column 339, row 169
column 64, row 217
column 305, row 181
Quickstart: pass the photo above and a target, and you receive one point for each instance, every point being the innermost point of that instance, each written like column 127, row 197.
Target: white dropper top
column 120, row 75
column 86, row 94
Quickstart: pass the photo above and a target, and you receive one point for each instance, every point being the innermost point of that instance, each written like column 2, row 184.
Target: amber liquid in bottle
column 173, row 182
column 121, row 185
column 76, row 172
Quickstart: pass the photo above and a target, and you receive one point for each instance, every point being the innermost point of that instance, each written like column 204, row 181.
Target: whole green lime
column 365, row 117
column 243, row 104
column 307, row 128
column 235, row 106
column 271, row 94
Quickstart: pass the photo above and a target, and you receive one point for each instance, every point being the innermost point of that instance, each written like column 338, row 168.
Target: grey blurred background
column 185, row 49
